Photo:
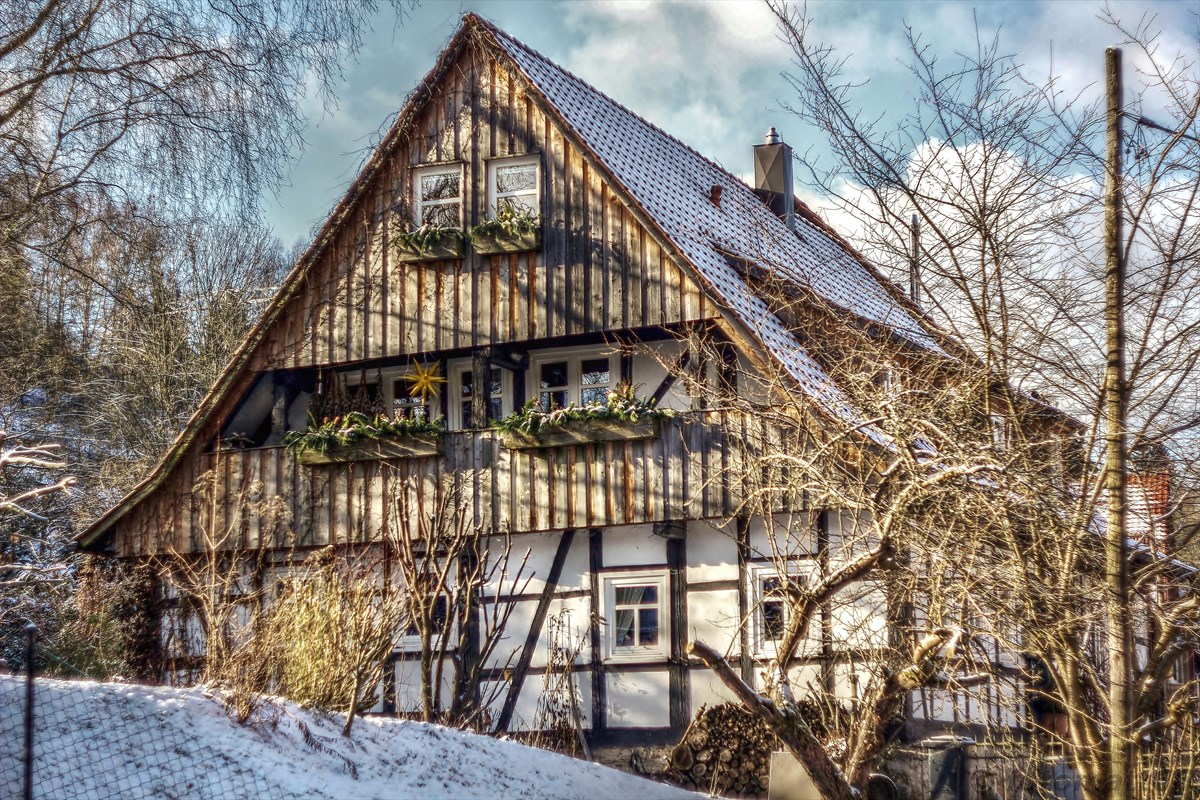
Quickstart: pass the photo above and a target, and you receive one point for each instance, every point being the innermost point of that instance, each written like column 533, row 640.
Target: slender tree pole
column 1120, row 646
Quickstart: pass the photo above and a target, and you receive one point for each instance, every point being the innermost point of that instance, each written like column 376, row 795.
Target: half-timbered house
column 641, row 248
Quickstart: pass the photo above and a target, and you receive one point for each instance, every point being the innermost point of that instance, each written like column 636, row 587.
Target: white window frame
column 638, row 653
column 436, row 169
column 574, row 356
column 456, row 369
column 494, row 195
column 762, row 646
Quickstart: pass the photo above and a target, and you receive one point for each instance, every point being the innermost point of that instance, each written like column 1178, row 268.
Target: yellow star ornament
column 424, row 379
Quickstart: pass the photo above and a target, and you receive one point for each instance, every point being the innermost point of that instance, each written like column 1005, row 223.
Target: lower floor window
column 636, row 616
column 773, row 598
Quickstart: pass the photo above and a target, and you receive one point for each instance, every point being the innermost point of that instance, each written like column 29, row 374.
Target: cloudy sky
column 709, row 73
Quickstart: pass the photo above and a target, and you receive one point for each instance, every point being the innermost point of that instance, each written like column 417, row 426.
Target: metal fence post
column 30, row 634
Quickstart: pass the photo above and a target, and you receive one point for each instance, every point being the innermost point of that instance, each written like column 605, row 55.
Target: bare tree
column 444, row 560
column 1004, row 177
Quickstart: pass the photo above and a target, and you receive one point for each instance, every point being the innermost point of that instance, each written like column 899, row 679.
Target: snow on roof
column 673, row 184
column 102, row 740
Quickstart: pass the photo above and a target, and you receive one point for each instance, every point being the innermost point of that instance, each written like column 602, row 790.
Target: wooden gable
column 599, row 268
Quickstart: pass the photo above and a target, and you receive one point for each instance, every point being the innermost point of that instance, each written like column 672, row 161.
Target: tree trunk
column 792, row 731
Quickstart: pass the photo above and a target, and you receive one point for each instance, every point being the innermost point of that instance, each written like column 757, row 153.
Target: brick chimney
column 773, row 177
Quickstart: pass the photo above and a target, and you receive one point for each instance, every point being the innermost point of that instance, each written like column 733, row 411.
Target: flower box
column 413, row 445
column 490, row 244
column 444, row 248
column 583, row 432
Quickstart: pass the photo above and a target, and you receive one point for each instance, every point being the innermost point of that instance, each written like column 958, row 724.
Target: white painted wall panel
column 850, row 680
column 713, row 619
column 633, row 545
column 711, row 553
column 651, row 365
column 786, row 535
column 708, row 690
column 638, row 699
column 803, row 678
column 408, row 684
column 513, row 638
column 860, row 617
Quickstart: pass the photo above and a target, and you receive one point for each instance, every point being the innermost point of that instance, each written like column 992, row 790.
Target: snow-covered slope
column 100, row 740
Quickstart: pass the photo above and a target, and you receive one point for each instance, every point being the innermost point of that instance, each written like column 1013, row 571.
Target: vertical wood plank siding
column 673, row 477
column 599, row 269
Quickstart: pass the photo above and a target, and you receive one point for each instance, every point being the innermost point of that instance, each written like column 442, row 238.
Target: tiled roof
column 672, row 184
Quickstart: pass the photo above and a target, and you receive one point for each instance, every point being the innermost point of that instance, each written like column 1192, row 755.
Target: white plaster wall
column 638, row 699
column 713, row 619
column 542, row 548
column 860, row 617
column 788, row 534
column 711, row 553
column 512, row 640
column 650, row 367
column 707, row 689
column 408, row 684
column 632, row 545
column 525, row 711
column 850, row 680
column 803, row 678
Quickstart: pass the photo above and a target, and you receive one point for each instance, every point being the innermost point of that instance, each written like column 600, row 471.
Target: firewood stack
column 726, row 750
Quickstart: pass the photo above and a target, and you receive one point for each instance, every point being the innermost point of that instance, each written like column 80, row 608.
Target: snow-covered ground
column 98, row 740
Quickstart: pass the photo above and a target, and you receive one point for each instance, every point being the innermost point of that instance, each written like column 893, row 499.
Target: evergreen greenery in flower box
column 356, row 436
column 429, row 242
column 512, row 230
column 623, row 416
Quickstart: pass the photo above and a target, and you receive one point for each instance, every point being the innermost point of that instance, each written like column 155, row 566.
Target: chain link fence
column 93, row 741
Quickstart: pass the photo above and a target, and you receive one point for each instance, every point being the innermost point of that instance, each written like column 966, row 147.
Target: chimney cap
column 772, row 136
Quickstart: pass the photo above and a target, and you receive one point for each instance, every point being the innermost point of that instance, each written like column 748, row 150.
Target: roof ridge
column 500, row 32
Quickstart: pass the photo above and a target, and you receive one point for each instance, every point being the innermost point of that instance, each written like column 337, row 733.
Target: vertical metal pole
column 30, row 634
column 1116, row 402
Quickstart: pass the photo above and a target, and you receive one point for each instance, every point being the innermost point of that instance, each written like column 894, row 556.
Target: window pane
column 623, row 629
column 773, row 620
column 636, row 595
column 440, row 186
column 444, row 214
column 554, row 375
column 516, row 178
column 549, row 400
column 495, row 408
column 439, row 614
column 648, row 626
column 594, row 396
column 518, row 203
column 594, row 371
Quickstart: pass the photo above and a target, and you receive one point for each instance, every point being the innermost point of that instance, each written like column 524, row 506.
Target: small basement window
column 513, row 183
column 437, row 194
column 637, row 616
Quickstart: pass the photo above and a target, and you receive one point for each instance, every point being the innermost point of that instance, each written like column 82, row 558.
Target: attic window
column 437, row 193
column 513, row 184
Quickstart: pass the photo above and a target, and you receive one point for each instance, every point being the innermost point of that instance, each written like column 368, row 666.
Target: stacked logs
column 726, row 750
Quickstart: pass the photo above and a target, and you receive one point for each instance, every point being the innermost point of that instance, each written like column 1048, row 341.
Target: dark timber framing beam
column 599, row 689
column 679, row 677
column 745, row 665
column 535, row 630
